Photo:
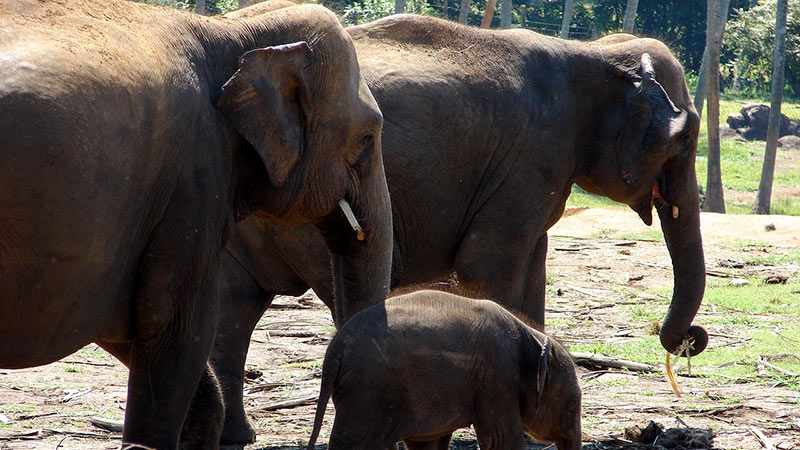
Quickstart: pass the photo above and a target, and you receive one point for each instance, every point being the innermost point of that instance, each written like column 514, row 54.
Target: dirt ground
column 594, row 271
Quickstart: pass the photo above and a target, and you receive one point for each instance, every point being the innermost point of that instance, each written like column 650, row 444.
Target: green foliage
column 213, row 7
column 362, row 11
column 581, row 198
column 750, row 38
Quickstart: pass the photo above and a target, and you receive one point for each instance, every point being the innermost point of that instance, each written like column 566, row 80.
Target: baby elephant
column 422, row 365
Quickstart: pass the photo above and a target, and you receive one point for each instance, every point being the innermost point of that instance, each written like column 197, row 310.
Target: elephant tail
column 330, row 372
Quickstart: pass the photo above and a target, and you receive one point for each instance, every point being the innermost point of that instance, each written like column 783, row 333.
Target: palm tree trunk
column 762, row 205
column 488, row 14
column 505, row 13
column 630, row 16
column 463, row 14
column 715, row 201
column 445, row 12
column 567, row 20
column 200, row 7
column 399, row 6
column 702, row 85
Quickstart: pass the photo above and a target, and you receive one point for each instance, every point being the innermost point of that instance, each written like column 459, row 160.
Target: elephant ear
column 268, row 102
column 541, row 373
column 650, row 117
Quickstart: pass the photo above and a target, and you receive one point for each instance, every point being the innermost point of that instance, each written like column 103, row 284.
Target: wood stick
column 594, row 360
column 762, row 439
column 107, row 424
column 585, row 292
column 776, row 368
column 292, row 334
column 292, row 403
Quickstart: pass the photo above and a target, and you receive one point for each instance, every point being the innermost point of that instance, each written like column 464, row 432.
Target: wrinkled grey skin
column 485, row 133
column 424, row 364
column 132, row 139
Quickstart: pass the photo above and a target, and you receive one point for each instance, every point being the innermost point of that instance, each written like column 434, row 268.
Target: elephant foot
column 235, row 436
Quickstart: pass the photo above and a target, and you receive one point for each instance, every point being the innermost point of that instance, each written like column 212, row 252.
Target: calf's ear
column 268, row 102
column 541, row 374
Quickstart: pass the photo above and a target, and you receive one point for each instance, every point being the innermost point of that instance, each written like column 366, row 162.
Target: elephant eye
column 367, row 146
column 367, row 140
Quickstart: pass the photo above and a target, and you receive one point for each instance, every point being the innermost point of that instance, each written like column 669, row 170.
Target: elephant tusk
column 351, row 218
column 675, row 212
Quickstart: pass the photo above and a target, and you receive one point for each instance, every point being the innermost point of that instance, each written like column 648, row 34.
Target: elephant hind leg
column 242, row 303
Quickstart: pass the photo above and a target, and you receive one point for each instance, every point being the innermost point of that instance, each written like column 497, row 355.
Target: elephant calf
column 424, row 364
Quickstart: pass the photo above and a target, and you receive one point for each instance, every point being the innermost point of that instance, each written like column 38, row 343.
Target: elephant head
column 310, row 152
column 645, row 156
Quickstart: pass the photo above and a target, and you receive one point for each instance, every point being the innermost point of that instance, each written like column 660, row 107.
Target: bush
column 751, row 38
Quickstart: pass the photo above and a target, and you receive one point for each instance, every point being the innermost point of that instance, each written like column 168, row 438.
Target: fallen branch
column 26, row 436
column 571, row 249
column 585, row 292
column 107, row 424
column 776, row 368
column 762, row 439
column 592, row 360
column 291, row 334
column 87, row 363
column 293, row 403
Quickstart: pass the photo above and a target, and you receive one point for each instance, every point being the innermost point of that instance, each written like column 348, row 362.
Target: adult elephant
column 133, row 138
column 485, row 133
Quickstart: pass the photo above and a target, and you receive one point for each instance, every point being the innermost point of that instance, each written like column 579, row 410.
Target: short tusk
column 348, row 212
column 675, row 212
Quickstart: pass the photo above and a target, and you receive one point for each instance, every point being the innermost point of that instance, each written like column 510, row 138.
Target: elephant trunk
column 680, row 221
column 362, row 259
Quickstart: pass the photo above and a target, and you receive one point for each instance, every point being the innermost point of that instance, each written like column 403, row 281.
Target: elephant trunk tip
column 696, row 338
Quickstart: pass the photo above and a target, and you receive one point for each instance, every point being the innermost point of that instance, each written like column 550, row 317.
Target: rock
column 739, row 282
column 681, row 438
column 789, row 142
column 726, row 132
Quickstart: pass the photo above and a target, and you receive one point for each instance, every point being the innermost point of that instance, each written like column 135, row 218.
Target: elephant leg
column 497, row 428
column 242, row 303
column 494, row 264
column 174, row 319
column 536, row 283
column 442, row 443
column 206, row 410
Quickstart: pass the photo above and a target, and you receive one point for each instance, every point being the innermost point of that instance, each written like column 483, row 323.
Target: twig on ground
column 594, row 360
column 293, row 403
column 762, row 439
column 107, row 424
column 775, row 368
column 87, row 363
column 291, row 334
column 585, row 292
column 572, row 249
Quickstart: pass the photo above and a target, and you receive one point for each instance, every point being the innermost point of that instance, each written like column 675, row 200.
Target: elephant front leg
column 533, row 304
column 242, row 303
column 505, row 267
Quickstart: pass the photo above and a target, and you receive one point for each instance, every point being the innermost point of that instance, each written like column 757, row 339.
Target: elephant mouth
column 644, row 207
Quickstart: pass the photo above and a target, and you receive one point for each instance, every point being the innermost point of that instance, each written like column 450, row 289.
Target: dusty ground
column 595, row 271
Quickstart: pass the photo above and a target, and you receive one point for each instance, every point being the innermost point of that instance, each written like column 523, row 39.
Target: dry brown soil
column 595, row 271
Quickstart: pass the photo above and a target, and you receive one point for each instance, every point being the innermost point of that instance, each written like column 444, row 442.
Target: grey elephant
column 133, row 139
column 485, row 133
column 424, row 364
